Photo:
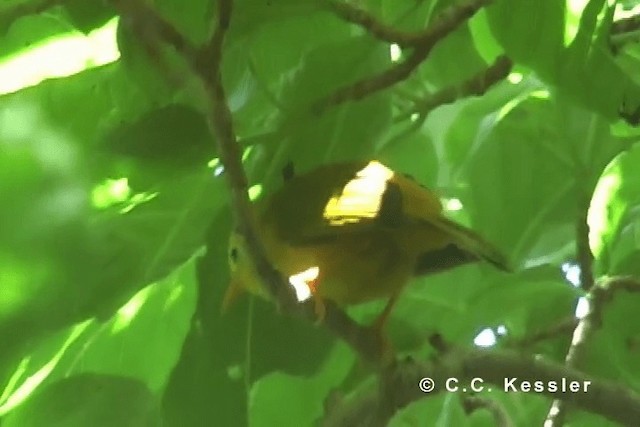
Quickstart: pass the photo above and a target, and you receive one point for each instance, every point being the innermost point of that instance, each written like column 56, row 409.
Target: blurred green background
column 115, row 212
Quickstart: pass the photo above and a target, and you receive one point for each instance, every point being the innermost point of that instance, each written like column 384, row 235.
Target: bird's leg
column 318, row 303
column 319, row 309
column 378, row 326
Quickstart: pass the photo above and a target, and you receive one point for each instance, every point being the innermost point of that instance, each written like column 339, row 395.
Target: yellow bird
column 351, row 233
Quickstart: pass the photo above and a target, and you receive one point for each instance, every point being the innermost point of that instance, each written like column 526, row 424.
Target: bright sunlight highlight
column 621, row 13
column 573, row 12
column 116, row 192
column 514, row 78
column 255, row 191
column 18, row 395
column 110, row 192
column 361, row 197
column 582, row 308
column 605, row 207
column 453, row 205
column 126, row 313
column 573, row 15
column 486, row 338
column 395, row 52
column 217, row 167
column 300, row 282
column 59, row 56
column 571, row 273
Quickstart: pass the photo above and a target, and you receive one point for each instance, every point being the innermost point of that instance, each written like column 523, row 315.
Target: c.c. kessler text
column 552, row 386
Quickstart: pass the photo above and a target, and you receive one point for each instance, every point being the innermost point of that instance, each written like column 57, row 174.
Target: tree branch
column 476, row 85
column 600, row 294
column 205, row 64
column 150, row 27
column 499, row 371
column 589, row 323
column 405, row 39
column 607, row 399
column 562, row 328
column 422, row 45
column 351, row 13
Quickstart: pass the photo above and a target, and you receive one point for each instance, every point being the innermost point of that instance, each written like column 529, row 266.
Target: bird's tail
column 472, row 242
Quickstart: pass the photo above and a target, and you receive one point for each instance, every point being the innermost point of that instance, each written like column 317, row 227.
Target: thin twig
column 151, row 27
column 612, row 285
column 583, row 250
column 372, row 84
column 476, row 85
column 590, row 322
column 559, row 329
column 445, row 24
column 405, row 39
column 355, row 15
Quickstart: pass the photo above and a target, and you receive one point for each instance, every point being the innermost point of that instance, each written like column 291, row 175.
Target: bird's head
column 243, row 273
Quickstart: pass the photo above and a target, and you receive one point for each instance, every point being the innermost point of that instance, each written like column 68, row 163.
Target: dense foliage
column 116, row 212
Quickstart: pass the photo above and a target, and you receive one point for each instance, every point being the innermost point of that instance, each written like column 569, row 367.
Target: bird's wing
column 471, row 242
column 348, row 198
column 357, row 198
column 420, row 205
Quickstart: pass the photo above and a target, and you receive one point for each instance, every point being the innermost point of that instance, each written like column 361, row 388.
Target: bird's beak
column 234, row 290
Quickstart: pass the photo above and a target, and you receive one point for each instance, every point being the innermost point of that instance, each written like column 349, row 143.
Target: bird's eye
column 233, row 255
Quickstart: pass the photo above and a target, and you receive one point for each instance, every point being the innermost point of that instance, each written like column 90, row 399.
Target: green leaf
column 30, row 30
column 194, row 21
column 443, row 69
column 462, row 128
column 174, row 136
column 260, row 64
column 154, row 322
column 406, row 15
column 250, row 15
column 567, row 146
column 614, row 349
column 411, row 154
column 89, row 399
column 142, row 69
column 107, row 199
column 572, row 54
column 224, row 354
column 530, row 33
column 429, row 305
column 51, row 234
column 484, row 41
column 444, row 409
column 87, row 16
column 613, row 215
column 346, row 132
column 285, row 400
column 526, row 302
